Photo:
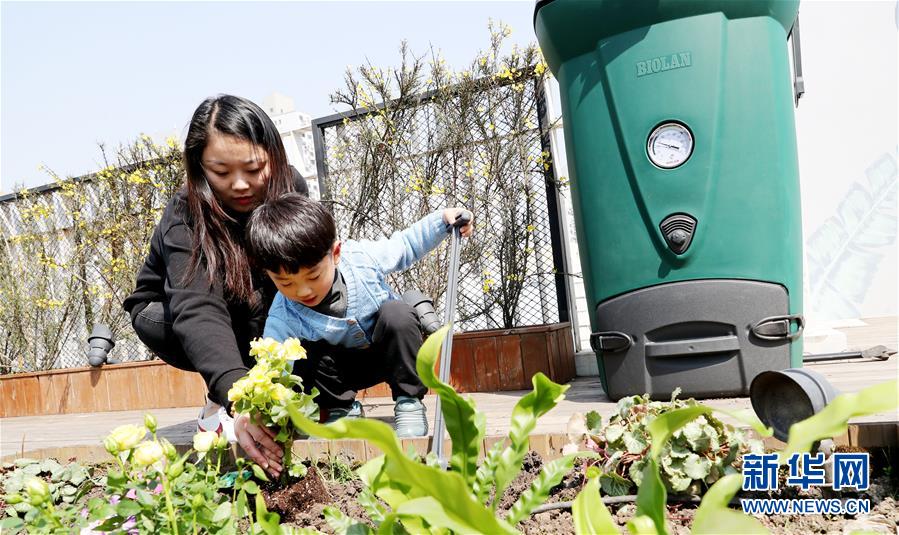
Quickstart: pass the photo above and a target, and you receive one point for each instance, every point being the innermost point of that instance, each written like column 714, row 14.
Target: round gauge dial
column 669, row 145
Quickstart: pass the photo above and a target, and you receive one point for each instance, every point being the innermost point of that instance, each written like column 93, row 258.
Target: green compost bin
column 681, row 143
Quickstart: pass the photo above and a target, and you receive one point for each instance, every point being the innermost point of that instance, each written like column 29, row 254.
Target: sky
column 75, row 74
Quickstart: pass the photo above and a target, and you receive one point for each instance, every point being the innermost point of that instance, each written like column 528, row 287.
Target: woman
column 197, row 304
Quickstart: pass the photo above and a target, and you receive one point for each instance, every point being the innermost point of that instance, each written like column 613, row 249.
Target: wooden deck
column 80, row 435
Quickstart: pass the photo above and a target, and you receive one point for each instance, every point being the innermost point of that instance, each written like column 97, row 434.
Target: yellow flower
column 127, row 436
column 263, row 347
column 258, row 377
column 205, row 440
column 238, row 389
column 292, row 349
column 147, row 453
column 531, row 228
column 540, row 68
column 37, row 490
column 280, row 392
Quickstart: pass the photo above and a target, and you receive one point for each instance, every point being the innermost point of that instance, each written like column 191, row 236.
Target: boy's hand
column 449, row 217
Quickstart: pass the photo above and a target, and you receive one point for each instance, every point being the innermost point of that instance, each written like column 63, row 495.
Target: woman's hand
column 258, row 441
column 450, row 215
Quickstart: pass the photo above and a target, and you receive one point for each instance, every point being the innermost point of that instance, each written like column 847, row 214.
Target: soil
column 883, row 518
column 293, row 500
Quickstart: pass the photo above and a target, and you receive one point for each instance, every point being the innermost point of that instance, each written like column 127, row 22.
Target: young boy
column 333, row 296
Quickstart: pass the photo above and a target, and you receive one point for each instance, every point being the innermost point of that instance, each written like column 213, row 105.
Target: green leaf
column 634, row 442
column 651, row 496
column 259, row 472
column 144, row 497
column 613, row 484
column 464, row 424
column 250, row 487
column 664, row 425
column 434, row 514
column 269, row 523
column 748, row 417
column 545, row 395
column 590, row 514
column 714, row 516
column 448, row 487
column 642, row 525
column 373, row 475
column 11, row 524
column 373, row 508
column 343, row 524
column 243, row 508
column 222, row 512
column 614, row 432
column 390, row 526
column 697, row 467
column 550, row 476
column 833, row 419
column 115, row 479
column 484, row 476
column 126, row 508
column 594, row 422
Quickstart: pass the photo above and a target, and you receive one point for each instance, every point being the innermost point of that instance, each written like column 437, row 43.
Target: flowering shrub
column 423, row 136
column 269, row 388
column 151, row 489
column 69, row 255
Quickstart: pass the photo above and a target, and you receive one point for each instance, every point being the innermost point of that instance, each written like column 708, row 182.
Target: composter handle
column 696, row 346
column 611, row 341
column 779, row 327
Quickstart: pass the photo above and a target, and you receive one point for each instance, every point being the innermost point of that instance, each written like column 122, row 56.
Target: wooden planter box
column 483, row 361
column 115, row 387
column 505, row 359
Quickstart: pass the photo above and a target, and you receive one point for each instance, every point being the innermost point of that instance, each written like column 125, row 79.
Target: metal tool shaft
column 446, row 351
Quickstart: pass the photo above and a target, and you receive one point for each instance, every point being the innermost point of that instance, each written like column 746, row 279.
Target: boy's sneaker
column 409, row 418
column 353, row 411
column 218, row 421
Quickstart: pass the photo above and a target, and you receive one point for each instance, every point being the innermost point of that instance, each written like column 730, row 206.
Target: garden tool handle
column 446, row 352
column 462, row 218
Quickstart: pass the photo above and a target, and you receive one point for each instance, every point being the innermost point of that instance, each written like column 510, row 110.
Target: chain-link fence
column 481, row 145
column 69, row 253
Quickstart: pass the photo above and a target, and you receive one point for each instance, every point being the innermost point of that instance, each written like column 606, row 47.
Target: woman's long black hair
column 217, row 237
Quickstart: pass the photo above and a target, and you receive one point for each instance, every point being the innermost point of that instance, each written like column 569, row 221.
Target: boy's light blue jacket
column 364, row 264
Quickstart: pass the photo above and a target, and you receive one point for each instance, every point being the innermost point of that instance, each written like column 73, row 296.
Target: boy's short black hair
column 290, row 233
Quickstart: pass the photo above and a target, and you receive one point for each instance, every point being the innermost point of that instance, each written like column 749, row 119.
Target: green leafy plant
column 427, row 498
column 151, row 489
column 713, row 515
column 66, row 484
column 699, row 453
column 269, row 388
